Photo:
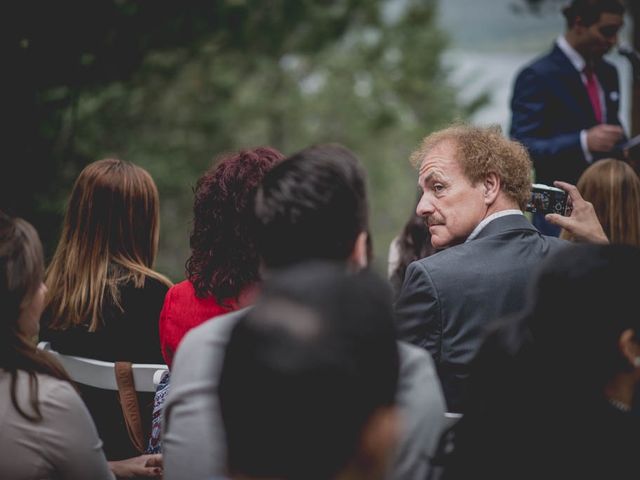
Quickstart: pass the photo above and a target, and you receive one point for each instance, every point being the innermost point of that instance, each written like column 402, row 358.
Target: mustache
column 431, row 221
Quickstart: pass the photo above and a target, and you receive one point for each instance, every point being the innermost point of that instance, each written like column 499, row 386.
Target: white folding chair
column 141, row 377
column 101, row 374
column 451, row 418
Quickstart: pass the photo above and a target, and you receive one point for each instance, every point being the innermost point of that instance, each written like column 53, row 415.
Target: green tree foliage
column 170, row 86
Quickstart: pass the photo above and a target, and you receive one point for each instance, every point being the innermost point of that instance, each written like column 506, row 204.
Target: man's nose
column 425, row 206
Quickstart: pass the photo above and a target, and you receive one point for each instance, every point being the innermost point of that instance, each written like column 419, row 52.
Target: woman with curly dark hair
column 222, row 271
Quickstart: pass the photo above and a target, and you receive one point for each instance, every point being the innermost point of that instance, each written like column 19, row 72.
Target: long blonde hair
column 109, row 237
column 613, row 187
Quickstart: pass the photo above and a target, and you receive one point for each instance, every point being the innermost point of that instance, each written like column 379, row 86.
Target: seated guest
column 552, row 388
column 45, row 429
column 307, row 388
column 475, row 185
column 222, row 270
column 613, row 187
column 104, row 297
column 311, row 206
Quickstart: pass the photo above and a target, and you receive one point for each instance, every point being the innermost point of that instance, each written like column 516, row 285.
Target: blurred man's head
column 313, row 205
column 309, row 378
column 467, row 173
column 593, row 26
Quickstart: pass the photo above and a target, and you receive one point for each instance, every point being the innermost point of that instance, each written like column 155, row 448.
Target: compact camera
column 546, row 199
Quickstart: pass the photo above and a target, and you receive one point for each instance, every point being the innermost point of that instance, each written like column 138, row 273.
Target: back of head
column 223, row 254
column 21, row 273
column 312, row 205
column 484, row 150
column 113, row 211
column 583, row 299
column 589, row 11
column 305, row 371
column 613, row 187
column 109, row 235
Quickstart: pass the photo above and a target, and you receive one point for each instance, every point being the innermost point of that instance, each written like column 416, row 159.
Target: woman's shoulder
column 152, row 287
column 156, row 283
column 183, row 295
column 52, row 392
column 183, row 289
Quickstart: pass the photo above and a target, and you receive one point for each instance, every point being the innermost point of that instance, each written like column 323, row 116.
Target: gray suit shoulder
column 422, row 406
column 193, row 438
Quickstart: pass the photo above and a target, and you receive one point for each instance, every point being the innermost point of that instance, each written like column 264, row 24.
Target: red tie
column 592, row 90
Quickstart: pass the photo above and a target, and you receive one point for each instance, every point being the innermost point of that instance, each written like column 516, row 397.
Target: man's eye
column 438, row 187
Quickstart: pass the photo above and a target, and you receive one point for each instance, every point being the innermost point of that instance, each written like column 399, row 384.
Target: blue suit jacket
column 550, row 106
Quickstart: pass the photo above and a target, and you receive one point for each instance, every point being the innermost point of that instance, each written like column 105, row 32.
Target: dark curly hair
column 414, row 243
column 223, row 255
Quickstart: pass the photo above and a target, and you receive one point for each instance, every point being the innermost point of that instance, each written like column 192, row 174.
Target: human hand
column 583, row 222
column 141, row 466
column 603, row 137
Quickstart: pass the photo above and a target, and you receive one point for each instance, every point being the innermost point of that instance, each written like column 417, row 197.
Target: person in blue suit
column 565, row 103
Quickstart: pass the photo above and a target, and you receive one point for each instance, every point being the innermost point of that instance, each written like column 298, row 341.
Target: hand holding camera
column 582, row 221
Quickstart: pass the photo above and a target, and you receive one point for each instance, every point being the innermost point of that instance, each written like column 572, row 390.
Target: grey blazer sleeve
column 422, row 407
column 418, row 311
column 193, row 441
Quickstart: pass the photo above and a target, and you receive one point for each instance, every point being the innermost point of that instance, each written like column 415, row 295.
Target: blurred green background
column 171, row 85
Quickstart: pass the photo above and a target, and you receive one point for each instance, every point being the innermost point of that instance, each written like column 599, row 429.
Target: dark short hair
column 312, row 205
column 590, row 10
column 223, row 255
column 305, row 370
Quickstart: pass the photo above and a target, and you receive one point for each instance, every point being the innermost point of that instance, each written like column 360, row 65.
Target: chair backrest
column 100, row 374
column 450, row 419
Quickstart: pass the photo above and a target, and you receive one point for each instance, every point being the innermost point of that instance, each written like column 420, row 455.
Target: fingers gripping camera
column 545, row 199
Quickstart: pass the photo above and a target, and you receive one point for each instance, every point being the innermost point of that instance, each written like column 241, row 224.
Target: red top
column 182, row 311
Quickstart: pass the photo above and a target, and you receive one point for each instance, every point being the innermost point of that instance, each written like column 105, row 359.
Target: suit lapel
column 609, row 85
column 568, row 85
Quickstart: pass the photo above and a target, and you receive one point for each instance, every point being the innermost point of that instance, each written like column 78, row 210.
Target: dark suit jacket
column 550, row 106
column 449, row 298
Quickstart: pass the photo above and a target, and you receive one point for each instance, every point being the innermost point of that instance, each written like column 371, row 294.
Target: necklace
column 618, row 405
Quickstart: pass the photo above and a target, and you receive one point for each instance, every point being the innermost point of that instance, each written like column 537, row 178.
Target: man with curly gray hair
column 475, row 185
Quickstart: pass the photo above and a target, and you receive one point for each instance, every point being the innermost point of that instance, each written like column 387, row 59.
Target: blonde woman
column 104, row 297
column 613, row 187
column 45, row 430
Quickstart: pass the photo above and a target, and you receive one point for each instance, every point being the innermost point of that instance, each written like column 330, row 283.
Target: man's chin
column 437, row 241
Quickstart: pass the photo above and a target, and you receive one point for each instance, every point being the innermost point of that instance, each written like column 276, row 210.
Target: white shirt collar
column 493, row 216
column 574, row 57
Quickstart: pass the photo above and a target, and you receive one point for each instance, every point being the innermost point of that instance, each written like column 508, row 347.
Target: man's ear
column 491, row 188
column 358, row 257
column 629, row 347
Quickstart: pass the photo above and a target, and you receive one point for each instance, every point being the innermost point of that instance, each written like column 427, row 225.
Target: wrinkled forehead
column 441, row 155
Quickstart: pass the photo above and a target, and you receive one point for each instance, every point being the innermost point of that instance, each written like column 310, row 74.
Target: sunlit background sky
column 492, row 39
